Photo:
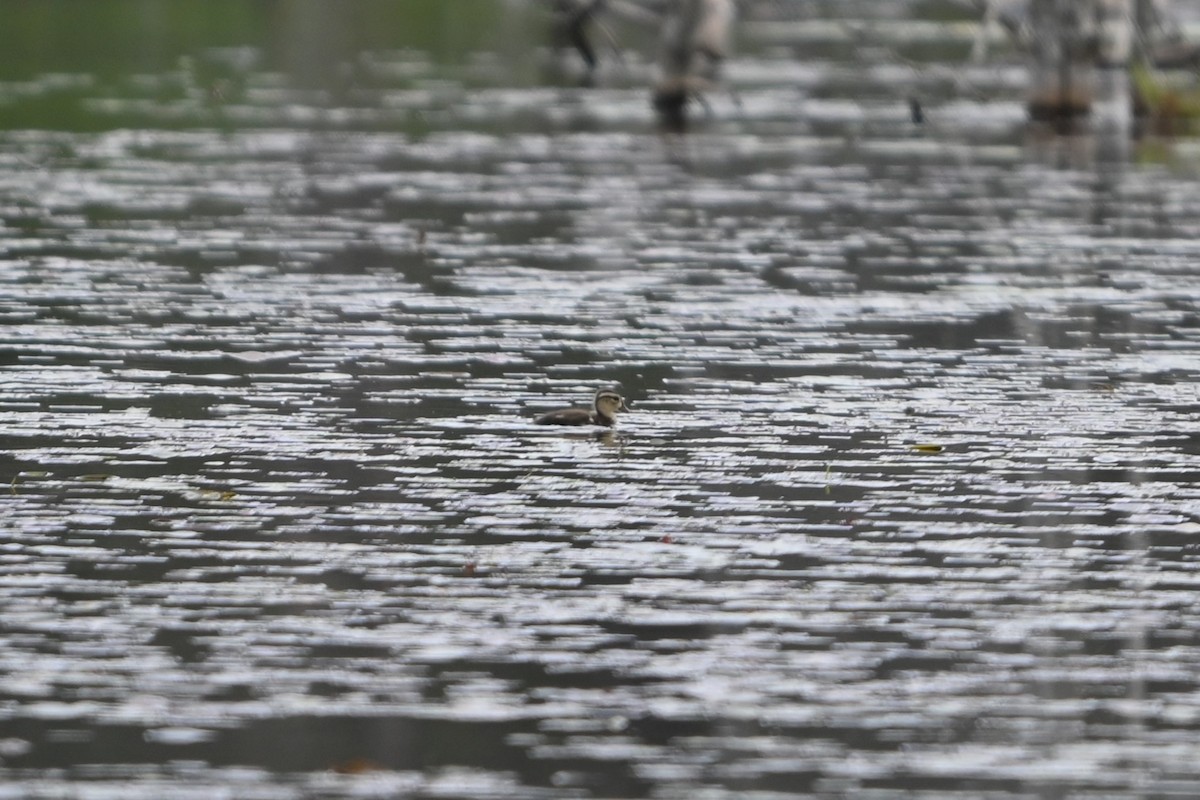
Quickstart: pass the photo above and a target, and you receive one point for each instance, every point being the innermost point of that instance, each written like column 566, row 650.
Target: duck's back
column 566, row 416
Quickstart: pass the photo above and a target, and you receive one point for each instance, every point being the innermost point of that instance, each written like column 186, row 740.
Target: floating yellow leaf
column 928, row 448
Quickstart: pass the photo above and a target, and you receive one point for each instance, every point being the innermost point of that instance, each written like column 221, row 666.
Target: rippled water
column 904, row 507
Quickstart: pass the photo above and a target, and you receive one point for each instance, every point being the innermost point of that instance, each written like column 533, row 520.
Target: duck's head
column 609, row 402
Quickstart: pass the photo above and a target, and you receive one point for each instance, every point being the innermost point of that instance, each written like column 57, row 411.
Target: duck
column 603, row 411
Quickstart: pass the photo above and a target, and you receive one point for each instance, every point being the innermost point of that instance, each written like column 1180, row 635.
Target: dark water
column 276, row 523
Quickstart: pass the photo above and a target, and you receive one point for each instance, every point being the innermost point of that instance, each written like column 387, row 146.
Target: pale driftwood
column 696, row 39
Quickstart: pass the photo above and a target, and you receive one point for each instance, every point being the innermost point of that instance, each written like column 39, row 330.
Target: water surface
column 904, row 507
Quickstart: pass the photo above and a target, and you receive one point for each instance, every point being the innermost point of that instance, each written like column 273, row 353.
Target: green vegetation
column 1169, row 106
column 60, row 60
column 119, row 36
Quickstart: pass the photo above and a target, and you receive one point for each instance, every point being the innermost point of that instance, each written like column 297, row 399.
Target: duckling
column 603, row 412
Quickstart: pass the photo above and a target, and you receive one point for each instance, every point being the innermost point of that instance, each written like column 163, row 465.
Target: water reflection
column 278, row 522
